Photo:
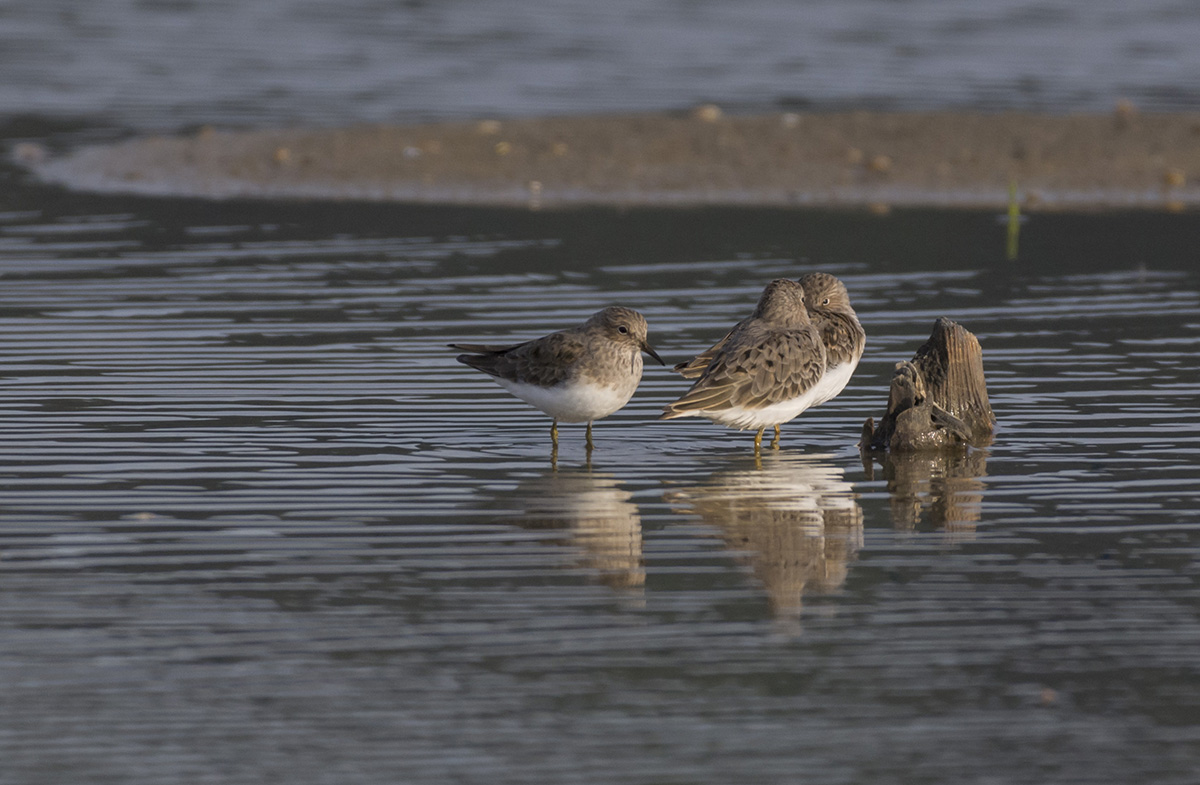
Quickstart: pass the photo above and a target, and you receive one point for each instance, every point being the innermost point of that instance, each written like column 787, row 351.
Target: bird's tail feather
column 478, row 348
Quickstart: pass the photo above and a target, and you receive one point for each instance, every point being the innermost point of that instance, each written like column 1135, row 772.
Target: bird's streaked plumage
column 828, row 306
column 766, row 371
column 580, row 374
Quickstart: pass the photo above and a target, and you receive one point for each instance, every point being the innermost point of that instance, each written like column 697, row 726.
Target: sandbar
column 874, row 160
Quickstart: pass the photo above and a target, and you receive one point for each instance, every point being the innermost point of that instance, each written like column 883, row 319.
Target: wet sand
column 704, row 157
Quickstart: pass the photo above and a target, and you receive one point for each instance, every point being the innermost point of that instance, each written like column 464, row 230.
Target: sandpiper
column 576, row 375
column 765, row 372
column 828, row 305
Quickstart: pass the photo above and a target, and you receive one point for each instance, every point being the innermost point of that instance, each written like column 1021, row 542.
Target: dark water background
column 257, row 526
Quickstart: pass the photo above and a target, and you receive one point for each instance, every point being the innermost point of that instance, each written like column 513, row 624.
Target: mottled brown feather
column 843, row 336
column 694, row 367
column 544, row 362
column 769, row 358
column 602, row 348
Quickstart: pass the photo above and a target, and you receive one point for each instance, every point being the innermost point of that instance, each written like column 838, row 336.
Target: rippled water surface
column 257, row 525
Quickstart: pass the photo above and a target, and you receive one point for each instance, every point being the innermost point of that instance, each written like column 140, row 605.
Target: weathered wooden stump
column 938, row 399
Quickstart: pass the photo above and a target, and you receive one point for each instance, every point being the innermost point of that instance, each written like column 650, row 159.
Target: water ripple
column 248, row 493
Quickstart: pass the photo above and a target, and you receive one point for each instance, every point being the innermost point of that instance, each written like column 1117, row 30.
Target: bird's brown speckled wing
column 756, row 368
column 842, row 335
column 544, row 362
column 692, row 369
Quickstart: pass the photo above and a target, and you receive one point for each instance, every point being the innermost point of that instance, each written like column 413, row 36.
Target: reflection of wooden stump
column 944, row 488
column 938, row 399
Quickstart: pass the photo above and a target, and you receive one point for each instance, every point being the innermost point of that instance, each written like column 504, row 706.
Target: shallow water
column 257, row 525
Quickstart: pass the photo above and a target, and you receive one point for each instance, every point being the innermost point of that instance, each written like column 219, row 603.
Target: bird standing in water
column 765, row 372
column 828, row 306
column 580, row 374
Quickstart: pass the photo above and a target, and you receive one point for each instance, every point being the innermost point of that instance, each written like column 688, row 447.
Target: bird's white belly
column 576, row 401
column 834, row 381
column 775, row 414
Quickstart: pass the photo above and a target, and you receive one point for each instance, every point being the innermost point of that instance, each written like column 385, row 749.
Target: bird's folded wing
column 480, row 348
column 692, row 369
column 779, row 370
column 720, row 385
column 843, row 339
column 491, row 359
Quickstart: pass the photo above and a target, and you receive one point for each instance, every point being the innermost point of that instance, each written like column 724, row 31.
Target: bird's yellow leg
column 589, row 437
column 758, row 439
column 554, row 433
column 775, row 441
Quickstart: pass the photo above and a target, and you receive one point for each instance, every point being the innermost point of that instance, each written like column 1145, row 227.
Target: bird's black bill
column 646, row 348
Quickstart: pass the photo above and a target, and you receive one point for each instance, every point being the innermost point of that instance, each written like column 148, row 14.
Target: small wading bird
column 765, row 372
column 829, row 309
column 577, row 375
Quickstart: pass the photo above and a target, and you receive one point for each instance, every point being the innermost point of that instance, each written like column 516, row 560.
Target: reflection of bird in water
column 600, row 515
column 946, row 486
column 796, row 517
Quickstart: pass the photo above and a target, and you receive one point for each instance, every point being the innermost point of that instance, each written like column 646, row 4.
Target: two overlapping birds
column 797, row 350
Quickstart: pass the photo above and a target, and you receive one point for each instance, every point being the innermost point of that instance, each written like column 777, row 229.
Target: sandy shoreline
column 876, row 160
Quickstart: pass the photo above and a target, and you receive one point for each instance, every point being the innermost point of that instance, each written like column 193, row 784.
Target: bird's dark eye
column 825, row 301
column 622, row 329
